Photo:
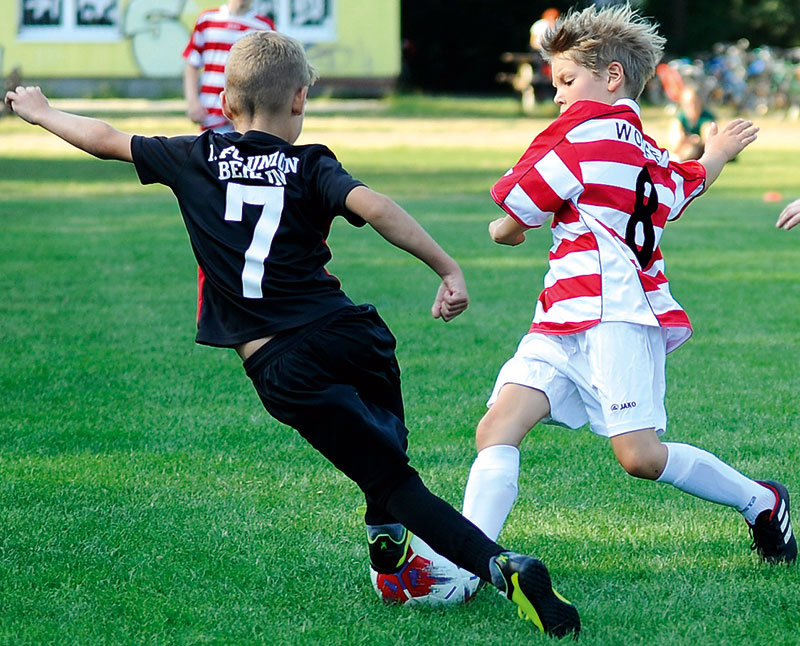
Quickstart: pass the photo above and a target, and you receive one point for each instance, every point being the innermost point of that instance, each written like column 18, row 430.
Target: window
column 310, row 21
column 69, row 20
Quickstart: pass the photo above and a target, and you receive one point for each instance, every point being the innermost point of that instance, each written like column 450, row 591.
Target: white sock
column 704, row 475
column 492, row 488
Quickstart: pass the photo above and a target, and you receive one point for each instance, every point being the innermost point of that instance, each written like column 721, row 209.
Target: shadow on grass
column 87, row 169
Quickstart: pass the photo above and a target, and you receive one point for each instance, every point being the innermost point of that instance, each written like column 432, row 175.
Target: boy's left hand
column 451, row 298
column 732, row 139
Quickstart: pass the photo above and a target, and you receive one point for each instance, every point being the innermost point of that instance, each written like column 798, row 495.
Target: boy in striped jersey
column 215, row 32
column 606, row 319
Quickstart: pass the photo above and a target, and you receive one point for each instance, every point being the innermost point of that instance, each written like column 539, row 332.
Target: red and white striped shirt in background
column 610, row 190
column 215, row 32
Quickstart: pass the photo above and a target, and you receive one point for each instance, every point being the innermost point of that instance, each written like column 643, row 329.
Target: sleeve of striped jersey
column 193, row 51
column 690, row 181
column 537, row 186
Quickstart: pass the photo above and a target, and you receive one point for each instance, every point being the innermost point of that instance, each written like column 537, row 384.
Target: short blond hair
column 594, row 38
column 264, row 71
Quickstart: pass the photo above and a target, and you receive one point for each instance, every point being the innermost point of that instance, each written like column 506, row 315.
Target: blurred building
column 133, row 47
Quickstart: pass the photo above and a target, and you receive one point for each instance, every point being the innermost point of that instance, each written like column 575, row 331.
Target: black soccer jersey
column 258, row 211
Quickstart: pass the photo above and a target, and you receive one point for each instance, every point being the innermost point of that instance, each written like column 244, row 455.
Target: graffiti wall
column 145, row 38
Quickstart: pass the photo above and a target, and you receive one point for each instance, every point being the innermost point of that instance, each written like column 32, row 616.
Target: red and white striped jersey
column 610, row 190
column 215, row 32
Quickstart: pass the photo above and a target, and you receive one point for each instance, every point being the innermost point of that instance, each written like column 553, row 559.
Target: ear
column 615, row 75
column 226, row 108
column 299, row 101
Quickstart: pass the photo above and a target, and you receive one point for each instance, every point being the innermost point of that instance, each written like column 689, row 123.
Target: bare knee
column 489, row 432
column 641, row 454
column 517, row 410
column 646, row 466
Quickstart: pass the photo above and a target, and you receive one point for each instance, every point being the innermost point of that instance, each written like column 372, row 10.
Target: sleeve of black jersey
column 334, row 184
column 159, row 160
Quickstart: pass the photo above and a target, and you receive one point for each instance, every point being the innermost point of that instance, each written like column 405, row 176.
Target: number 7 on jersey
column 270, row 198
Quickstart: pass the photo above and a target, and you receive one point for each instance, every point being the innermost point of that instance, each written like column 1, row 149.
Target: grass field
column 147, row 498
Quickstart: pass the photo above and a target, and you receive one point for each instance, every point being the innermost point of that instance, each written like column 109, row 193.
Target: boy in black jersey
column 258, row 210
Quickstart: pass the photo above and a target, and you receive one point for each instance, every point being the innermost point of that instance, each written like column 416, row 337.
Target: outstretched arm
column 723, row 145
column 403, row 231
column 790, row 216
column 90, row 135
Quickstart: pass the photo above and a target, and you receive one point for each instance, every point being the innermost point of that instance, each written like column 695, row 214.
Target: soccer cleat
column 526, row 582
column 388, row 546
column 772, row 533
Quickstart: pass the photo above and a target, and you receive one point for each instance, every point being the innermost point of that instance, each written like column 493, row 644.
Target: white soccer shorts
column 611, row 376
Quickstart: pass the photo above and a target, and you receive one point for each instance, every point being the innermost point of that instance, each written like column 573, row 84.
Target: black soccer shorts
column 337, row 382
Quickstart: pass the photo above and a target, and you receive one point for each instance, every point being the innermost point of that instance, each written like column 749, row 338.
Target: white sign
column 309, row 21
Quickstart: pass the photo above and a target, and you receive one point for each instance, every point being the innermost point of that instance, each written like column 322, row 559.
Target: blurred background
column 455, row 46
column 133, row 47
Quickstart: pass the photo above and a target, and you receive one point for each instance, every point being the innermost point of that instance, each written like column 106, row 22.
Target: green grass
column 147, row 498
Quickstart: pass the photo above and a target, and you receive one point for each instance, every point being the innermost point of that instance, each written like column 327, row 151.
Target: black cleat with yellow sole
column 526, row 582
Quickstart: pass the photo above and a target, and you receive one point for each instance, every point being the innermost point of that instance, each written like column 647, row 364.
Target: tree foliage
column 692, row 27
column 456, row 46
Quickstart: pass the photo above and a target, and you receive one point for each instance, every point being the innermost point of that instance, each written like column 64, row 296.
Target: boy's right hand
column 91, row 135
column 195, row 111
column 27, row 102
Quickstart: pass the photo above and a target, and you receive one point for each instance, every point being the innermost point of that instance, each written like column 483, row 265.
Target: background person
column 540, row 27
column 691, row 126
column 206, row 54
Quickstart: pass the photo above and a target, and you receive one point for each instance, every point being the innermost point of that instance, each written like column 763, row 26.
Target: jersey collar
column 266, row 137
column 630, row 103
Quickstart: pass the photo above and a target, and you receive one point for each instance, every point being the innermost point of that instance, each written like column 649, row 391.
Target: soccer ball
column 426, row 578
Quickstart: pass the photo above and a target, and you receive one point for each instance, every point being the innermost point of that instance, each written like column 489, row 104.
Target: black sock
column 442, row 527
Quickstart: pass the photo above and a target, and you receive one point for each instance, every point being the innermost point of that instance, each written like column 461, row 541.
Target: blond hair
column 264, row 71
column 594, row 38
